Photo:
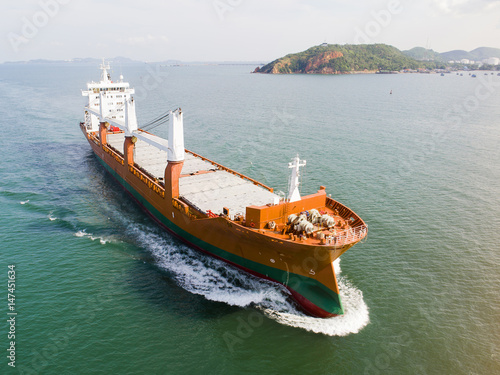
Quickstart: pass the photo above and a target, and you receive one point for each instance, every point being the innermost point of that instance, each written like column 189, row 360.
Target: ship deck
column 204, row 184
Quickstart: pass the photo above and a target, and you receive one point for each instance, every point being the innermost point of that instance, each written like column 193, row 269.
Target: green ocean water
column 100, row 289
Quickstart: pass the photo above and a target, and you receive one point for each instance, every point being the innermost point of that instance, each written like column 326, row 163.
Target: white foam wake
column 217, row 281
column 83, row 233
column 204, row 275
column 355, row 317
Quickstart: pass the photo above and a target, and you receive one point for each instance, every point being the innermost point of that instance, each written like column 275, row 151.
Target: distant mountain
column 114, row 60
column 485, row 53
column 341, row 59
column 423, row 54
column 86, row 60
column 456, row 55
column 126, row 60
column 477, row 54
column 324, row 59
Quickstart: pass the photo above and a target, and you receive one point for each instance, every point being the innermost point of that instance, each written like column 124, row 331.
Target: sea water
column 101, row 289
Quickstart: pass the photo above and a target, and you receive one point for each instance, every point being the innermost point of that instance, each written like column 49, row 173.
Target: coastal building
column 492, row 61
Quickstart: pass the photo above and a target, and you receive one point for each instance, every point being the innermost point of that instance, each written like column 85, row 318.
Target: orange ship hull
column 303, row 264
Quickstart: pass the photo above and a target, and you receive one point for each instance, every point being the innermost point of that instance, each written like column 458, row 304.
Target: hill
column 456, row 55
column 477, row 54
column 423, row 54
column 485, row 53
column 341, row 59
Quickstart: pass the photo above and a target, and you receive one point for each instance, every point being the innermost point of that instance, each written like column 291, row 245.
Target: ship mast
column 105, row 76
column 293, row 189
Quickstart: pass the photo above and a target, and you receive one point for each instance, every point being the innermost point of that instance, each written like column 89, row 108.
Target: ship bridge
column 109, row 95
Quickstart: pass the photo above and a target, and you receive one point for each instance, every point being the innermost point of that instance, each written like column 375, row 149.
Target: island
column 342, row 59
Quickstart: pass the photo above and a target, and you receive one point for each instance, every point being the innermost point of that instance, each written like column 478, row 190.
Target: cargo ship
column 292, row 240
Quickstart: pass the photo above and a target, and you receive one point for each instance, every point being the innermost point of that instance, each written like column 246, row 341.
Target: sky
column 236, row 30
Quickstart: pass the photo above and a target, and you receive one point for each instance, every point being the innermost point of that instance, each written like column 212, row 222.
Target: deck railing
column 113, row 152
column 341, row 237
column 137, row 171
column 344, row 212
column 92, row 136
column 148, row 180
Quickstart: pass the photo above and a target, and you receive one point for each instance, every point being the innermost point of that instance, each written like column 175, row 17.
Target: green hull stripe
column 311, row 289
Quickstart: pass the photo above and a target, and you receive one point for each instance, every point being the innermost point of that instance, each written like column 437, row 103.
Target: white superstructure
column 109, row 99
column 113, row 103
